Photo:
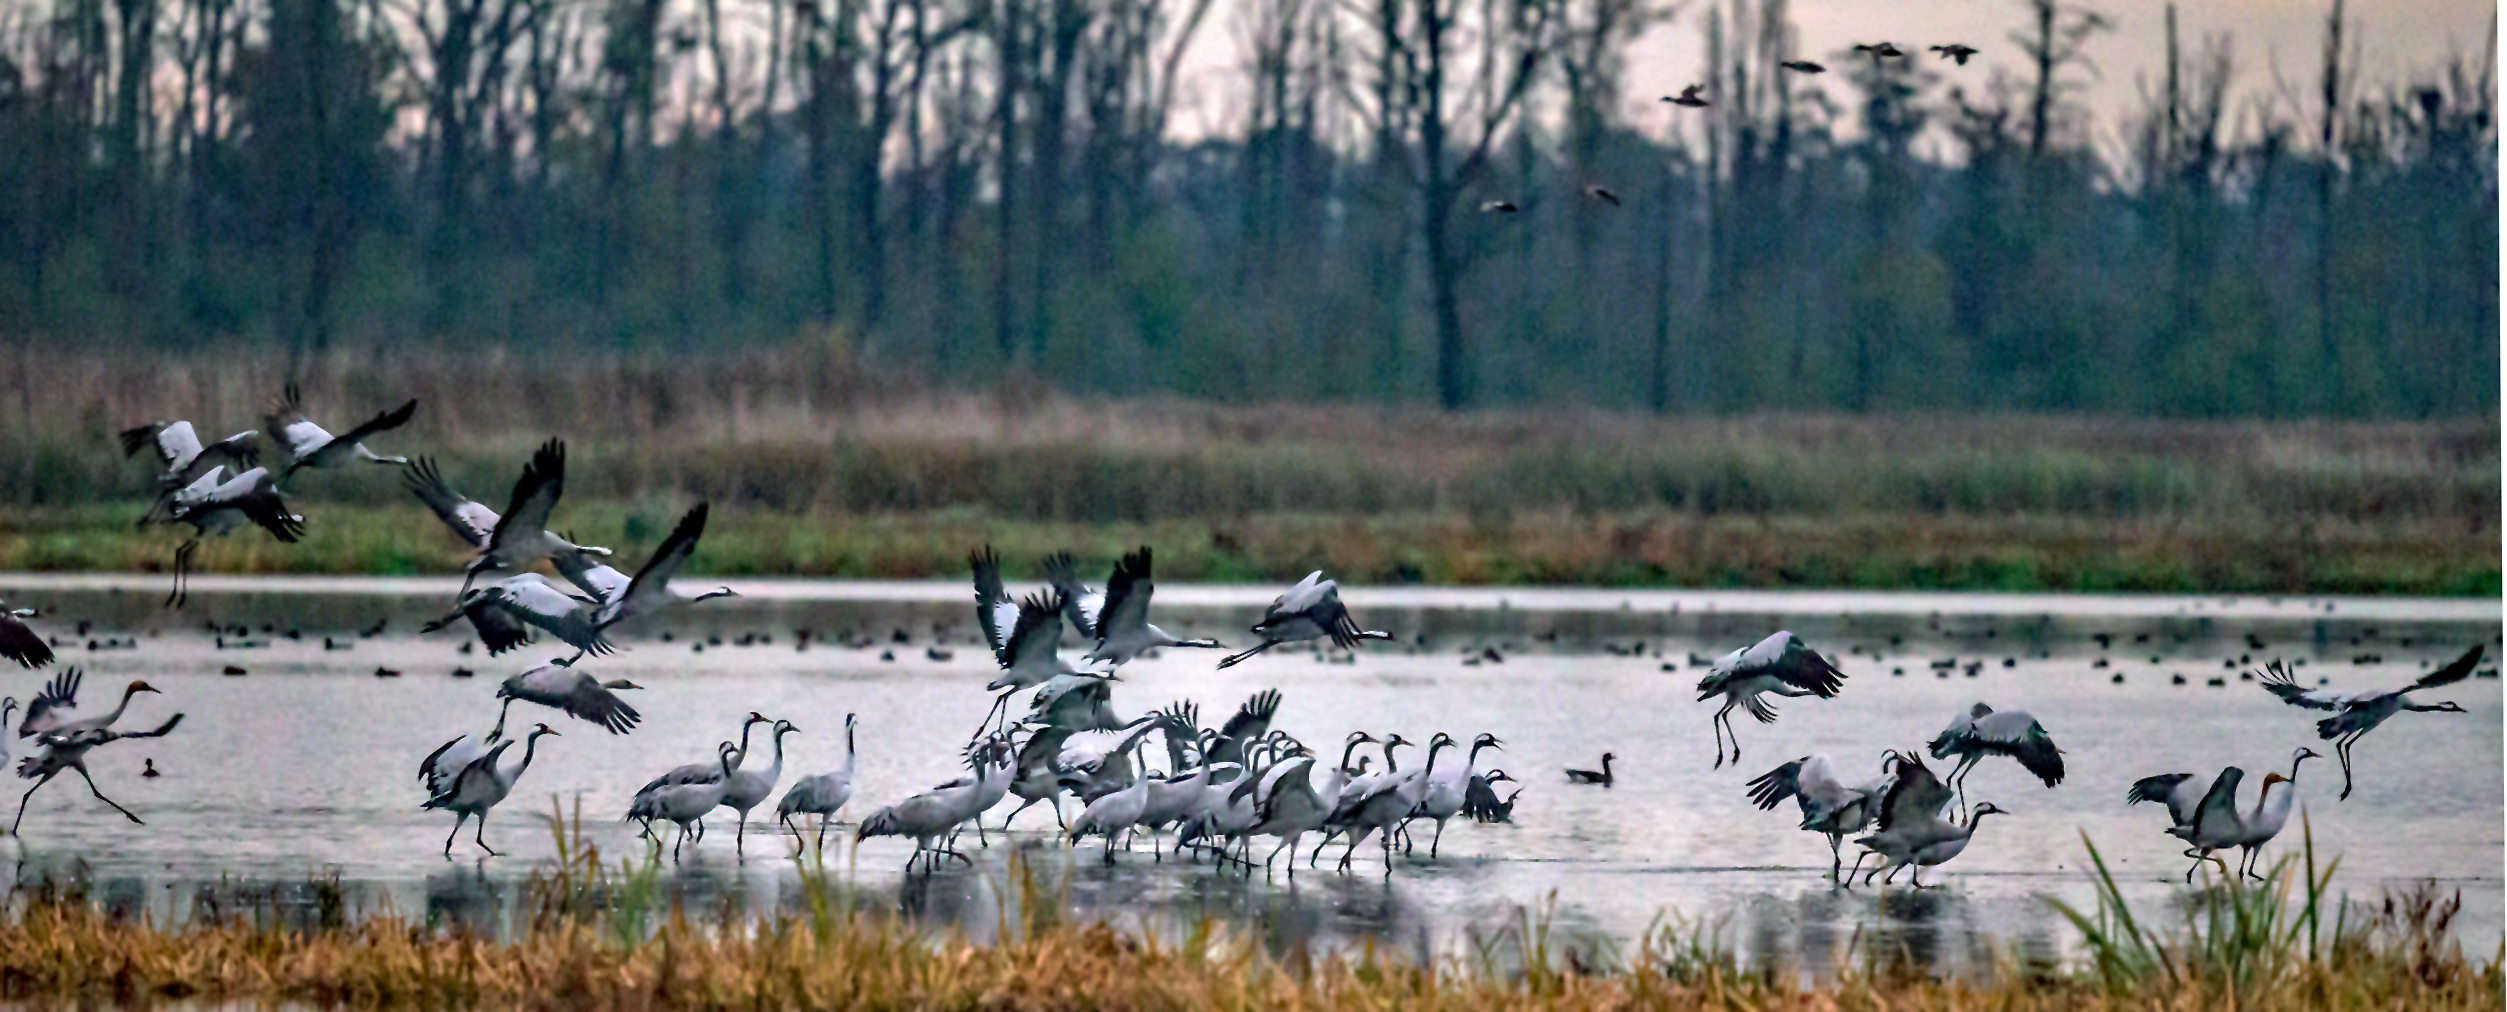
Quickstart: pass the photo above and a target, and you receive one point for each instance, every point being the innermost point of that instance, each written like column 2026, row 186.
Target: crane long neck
column 530, row 747
column 498, row 732
column 848, row 750
column 117, row 710
column 1347, row 751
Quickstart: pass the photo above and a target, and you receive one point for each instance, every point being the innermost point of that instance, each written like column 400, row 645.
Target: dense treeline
column 977, row 189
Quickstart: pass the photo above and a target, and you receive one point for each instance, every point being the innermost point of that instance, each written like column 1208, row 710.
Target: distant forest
column 1444, row 202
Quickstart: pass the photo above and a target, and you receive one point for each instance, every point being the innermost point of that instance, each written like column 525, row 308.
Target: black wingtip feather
column 135, row 440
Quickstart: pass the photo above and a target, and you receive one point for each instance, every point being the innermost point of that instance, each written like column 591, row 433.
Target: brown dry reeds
column 818, row 466
column 595, row 939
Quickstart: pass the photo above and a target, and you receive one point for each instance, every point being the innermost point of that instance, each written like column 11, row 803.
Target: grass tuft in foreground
column 600, row 935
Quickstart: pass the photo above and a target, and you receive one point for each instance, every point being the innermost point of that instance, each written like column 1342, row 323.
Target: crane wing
column 1252, row 720
column 651, row 587
column 176, row 443
column 470, row 521
column 2454, row 672
column 1127, row 594
column 533, row 599
column 256, row 495
column 384, row 422
column 21, row 643
column 995, row 611
column 2215, row 818
column 52, row 706
column 2278, row 681
column 235, row 453
column 1771, row 788
column 535, row 495
column 1914, row 795
column 2178, row 791
column 1037, row 637
column 288, row 426
column 499, row 626
column 1080, row 604
column 2016, row 734
column 602, row 581
column 1797, row 665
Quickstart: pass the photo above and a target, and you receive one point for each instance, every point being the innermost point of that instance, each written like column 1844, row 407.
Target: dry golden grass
column 817, row 466
column 592, row 937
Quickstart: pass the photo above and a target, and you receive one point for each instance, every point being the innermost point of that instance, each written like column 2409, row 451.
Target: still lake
column 305, row 766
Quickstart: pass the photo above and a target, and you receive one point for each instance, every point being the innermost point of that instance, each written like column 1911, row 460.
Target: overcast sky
column 2396, row 37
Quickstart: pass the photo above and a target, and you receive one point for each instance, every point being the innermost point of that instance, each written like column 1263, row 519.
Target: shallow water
column 306, row 766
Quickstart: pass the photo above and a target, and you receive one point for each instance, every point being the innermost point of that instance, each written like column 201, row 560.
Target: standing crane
column 481, row 785
column 822, row 795
column 1830, row 806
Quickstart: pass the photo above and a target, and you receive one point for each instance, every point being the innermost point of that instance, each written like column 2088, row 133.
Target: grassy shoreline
column 818, row 467
column 590, row 934
column 1633, row 550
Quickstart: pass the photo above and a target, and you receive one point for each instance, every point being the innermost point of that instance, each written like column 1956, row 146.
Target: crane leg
column 126, row 813
column 480, row 836
column 1718, row 724
column 1848, row 880
column 1439, row 841
column 458, row 819
column 2342, row 750
column 1836, row 858
column 823, row 820
column 740, row 838
column 1354, row 841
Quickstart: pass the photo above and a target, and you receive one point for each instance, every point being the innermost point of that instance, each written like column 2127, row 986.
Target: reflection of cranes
column 1780, row 664
column 820, row 795
column 1829, row 805
column 481, row 785
column 2357, row 713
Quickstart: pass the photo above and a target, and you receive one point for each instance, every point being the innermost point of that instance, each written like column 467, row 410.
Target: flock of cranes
column 1218, row 790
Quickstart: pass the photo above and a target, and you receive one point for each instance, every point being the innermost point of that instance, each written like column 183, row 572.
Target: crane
column 308, row 445
column 1311, row 610
column 1980, row 732
column 1780, row 664
column 2357, row 713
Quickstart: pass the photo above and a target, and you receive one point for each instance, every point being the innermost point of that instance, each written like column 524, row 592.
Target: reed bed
column 820, row 465
column 595, row 935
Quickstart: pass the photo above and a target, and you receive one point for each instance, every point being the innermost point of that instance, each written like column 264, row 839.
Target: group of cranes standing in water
column 1219, row 789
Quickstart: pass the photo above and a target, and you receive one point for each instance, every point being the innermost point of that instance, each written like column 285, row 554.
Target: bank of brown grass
column 818, row 465
column 595, row 937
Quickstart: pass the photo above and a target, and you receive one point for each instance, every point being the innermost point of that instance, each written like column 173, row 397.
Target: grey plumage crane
column 1980, row 731
column 56, row 752
column 20, row 642
column 308, row 445
column 1830, row 806
column 822, row 795
column 568, row 688
column 215, row 505
column 1781, row 664
column 1118, row 620
column 2357, row 713
column 481, row 785
column 185, row 460
column 521, row 537
column 1311, row 610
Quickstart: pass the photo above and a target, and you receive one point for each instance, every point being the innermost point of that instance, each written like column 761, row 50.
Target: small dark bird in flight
column 1878, row 51
column 1497, row 207
column 1603, row 195
column 1803, row 67
column 1688, row 97
column 1955, row 51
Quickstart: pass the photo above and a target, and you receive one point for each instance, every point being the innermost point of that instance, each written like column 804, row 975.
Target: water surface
column 305, row 766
